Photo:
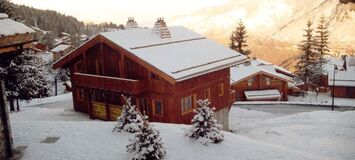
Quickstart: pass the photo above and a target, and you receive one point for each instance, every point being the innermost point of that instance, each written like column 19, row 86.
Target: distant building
column 61, row 50
column 255, row 81
column 344, row 79
column 164, row 69
column 14, row 36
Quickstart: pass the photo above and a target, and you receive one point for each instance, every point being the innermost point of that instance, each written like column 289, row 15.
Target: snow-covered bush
column 204, row 126
column 146, row 145
column 130, row 120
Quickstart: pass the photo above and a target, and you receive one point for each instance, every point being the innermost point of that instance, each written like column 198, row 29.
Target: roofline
column 278, row 77
column 57, row 64
column 212, row 69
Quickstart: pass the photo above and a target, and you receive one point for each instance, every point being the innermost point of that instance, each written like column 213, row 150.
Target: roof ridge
column 166, row 43
column 185, row 69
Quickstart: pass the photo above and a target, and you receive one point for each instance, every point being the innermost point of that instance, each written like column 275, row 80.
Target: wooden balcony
column 115, row 84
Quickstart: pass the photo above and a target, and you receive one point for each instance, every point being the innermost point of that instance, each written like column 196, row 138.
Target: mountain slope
column 274, row 26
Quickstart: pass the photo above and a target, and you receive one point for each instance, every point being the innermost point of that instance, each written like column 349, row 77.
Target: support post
column 333, row 88
column 5, row 121
column 56, row 86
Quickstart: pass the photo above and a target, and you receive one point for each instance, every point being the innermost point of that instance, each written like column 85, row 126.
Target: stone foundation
column 222, row 117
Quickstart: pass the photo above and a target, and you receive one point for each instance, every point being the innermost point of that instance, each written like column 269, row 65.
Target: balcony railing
column 115, row 84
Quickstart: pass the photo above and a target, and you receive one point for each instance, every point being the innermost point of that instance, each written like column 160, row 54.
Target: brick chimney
column 161, row 29
column 131, row 23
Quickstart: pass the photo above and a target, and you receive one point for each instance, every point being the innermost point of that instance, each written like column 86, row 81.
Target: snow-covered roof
column 60, row 47
column 342, row 78
column 331, row 61
column 262, row 94
column 260, row 62
column 11, row 27
column 185, row 55
column 350, row 63
column 241, row 72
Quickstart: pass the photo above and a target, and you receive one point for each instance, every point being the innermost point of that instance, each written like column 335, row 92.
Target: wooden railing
column 123, row 85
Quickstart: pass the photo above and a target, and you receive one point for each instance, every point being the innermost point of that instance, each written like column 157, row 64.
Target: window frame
column 250, row 82
column 267, row 81
column 155, row 109
column 188, row 104
column 220, row 89
column 208, row 96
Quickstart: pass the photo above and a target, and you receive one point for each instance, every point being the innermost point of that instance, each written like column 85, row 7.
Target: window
column 188, row 104
column 221, row 89
column 207, row 94
column 250, row 82
column 267, row 81
column 158, row 107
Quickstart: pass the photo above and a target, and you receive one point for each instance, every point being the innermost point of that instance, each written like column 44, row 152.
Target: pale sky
column 144, row 11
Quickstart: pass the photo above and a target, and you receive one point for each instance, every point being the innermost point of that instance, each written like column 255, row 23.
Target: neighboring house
column 14, row 38
column 254, row 81
column 61, row 50
column 164, row 69
column 344, row 84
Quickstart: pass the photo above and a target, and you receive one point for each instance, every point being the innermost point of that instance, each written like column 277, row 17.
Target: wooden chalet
column 61, row 50
column 165, row 70
column 255, row 82
column 14, row 36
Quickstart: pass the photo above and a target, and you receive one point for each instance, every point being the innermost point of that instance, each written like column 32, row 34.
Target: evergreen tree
column 307, row 68
column 25, row 79
column 48, row 40
column 204, row 126
column 238, row 39
column 130, row 120
column 146, row 145
column 321, row 38
column 7, row 7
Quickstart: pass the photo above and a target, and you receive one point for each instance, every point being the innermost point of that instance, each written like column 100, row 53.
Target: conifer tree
column 146, row 144
column 204, row 126
column 25, row 79
column 322, row 35
column 238, row 39
column 130, row 120
column 307, row 68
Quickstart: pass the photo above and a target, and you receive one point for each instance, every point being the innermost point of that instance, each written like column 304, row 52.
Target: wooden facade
column 343, row 91
column 102, row 71
column 260, row 81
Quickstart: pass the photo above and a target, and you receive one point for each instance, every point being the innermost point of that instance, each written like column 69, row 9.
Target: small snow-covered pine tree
column 130, row 120
column 146, row 145
column 204, row 126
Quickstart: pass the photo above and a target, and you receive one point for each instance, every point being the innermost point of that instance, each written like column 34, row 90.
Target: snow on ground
column 41, row 101
column 325, row 133
column 95, row 140
column 258, row 135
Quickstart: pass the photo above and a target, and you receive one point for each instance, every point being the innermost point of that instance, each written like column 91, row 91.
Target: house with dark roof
column 164, row 69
